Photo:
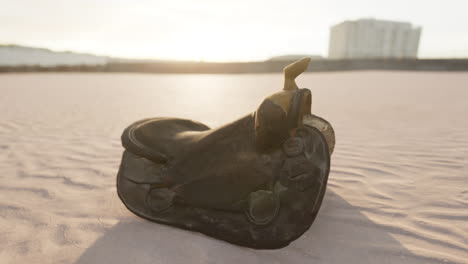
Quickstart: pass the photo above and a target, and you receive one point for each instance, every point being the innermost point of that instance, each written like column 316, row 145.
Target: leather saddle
column 257, row 182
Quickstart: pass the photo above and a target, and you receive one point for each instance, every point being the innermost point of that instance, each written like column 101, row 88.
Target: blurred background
column 52, row 33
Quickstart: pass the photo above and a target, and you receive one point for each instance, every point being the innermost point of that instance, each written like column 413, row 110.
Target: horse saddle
column 256, row 182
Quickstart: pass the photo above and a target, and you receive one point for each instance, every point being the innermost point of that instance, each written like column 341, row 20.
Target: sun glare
column 202, row 45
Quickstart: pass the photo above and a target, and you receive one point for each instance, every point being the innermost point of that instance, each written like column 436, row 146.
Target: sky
column 220, row 30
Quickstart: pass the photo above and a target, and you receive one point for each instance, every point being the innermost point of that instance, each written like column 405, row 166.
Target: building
column 371, row 38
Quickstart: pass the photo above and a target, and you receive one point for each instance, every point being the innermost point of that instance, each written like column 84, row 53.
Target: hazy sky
column 220, row 29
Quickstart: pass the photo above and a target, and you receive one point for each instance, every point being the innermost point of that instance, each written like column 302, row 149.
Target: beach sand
column 397, row 192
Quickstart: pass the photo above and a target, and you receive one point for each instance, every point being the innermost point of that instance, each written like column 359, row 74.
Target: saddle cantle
column 256, row 182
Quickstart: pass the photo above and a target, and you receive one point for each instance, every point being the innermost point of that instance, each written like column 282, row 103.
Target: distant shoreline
column 321, row 65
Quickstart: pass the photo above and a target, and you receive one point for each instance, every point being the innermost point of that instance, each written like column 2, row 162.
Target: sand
column 397, row 193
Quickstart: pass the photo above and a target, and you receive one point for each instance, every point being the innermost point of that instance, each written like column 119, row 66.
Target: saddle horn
column 282, row 111
column 292, row 71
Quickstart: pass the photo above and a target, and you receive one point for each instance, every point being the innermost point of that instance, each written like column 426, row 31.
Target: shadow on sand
column 340, row 234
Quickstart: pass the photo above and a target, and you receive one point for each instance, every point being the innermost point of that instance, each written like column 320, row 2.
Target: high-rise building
column 371, row 38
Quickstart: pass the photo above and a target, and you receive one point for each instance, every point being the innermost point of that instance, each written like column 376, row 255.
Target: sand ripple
column 398, row 189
